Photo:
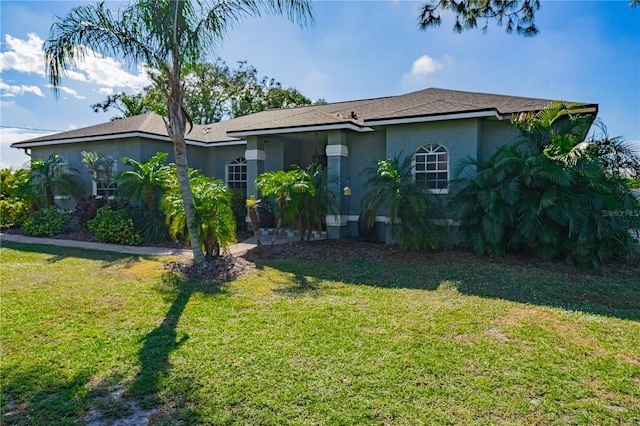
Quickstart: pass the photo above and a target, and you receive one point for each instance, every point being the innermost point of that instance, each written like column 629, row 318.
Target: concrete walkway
column 235, row 249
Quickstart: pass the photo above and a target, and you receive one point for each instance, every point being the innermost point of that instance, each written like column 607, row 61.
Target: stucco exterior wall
column 213, row 160
column 496, row 134
column 460, row 137
column 149, row 148
column 364, row 150
column 71, row 152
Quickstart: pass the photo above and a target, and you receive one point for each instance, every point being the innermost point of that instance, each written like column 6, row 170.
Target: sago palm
column 410, row 207
column 51, row 177
column 308, row 210
column 145, row 181
column 252, row 204
column 165, row 36
column 283, row 185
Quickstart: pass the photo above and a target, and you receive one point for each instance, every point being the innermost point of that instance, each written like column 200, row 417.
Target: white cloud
column 11, row 157
column 424, row 67
column 11, row 91
column 68, row 91
column 23, row 55
column 107, row 72
column 27, row 56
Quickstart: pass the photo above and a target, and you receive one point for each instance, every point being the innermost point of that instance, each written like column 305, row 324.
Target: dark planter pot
column 365, row 232
column 267, row 218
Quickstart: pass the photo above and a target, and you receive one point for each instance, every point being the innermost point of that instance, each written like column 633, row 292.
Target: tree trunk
column 282, row 202
column 151, row 200
column 176, row 128
column 278, row 226
column 48, row 191
column 253, row 216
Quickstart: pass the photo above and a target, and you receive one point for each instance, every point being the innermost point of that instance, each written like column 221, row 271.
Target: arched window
column 431, row 167
column 237, row 174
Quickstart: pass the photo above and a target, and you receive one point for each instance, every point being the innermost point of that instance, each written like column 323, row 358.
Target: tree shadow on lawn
column 38, row 392
column 615, row 294
column 61, row 253
column 159, row 344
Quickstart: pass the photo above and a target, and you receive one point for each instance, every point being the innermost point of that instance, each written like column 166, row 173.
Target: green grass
column 299, row 342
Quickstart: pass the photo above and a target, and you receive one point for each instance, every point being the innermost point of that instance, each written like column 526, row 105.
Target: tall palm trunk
column 176, row 128
column 151, row 200
column 282, row 202
column 253, row 216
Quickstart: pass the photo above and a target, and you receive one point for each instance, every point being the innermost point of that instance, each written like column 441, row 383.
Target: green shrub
column 114, row 226
column 152, row 227
column 214, row 217
column 46, row 222
column 238, row 205
column 87, row 209
column 12, row 212
column 412, row 210
column 557, row 200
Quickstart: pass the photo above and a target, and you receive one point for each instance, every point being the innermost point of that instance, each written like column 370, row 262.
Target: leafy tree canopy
column 518, row 15
column 213, row 92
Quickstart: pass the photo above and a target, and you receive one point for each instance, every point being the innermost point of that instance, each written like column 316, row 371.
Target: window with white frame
column 103, row 183
column 105, row 189
column 431, row 167
column 237, row 174
column 59, row 169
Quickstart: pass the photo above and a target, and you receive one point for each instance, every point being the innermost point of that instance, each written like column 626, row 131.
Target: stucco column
column 255, row 156
column 337, row 152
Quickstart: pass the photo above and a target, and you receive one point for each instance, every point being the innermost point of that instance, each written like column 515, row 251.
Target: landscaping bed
column 228, row 267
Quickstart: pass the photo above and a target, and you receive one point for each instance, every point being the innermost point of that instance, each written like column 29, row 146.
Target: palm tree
column 252, row 204
column 282, row 185
column 558, row 130
column 145, row 181
column 50, row 177
column 309, row 209
column 546, row 195
column 166, row 36
column 214, row 216
column 410, row 207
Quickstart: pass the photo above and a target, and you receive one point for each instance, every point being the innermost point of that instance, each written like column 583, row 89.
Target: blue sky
column 585, row 52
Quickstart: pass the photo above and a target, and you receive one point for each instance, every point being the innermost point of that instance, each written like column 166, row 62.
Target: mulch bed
column 228, row 267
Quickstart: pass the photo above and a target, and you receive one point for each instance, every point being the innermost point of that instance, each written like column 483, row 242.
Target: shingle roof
column 424, row 103
column 146, row 124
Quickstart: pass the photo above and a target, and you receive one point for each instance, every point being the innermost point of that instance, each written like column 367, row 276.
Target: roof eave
column 589, row 109
column 434, row 117
column 300, row 129
column 27, row 144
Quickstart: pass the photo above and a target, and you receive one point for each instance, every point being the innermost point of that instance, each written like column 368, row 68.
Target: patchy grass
column 299, row 342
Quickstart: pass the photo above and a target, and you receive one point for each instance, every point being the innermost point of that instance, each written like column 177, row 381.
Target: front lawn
column 92, row 337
